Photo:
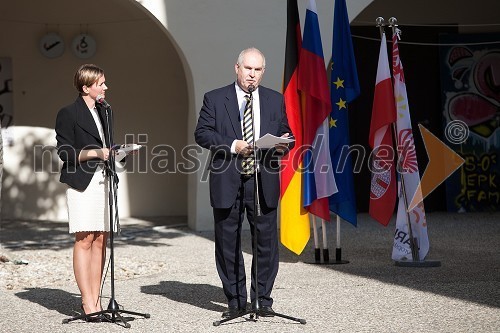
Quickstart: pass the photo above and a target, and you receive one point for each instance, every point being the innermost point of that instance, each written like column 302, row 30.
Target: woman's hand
column 103, row 153
column 89, row 154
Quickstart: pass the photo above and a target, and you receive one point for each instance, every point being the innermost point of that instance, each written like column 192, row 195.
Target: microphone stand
column 113, row 307
column 256, row 310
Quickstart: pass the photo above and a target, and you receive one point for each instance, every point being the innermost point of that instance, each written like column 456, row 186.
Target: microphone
column 251, row 88
column 100, row 99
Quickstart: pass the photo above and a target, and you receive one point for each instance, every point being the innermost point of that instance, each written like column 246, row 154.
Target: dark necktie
column 248, row 162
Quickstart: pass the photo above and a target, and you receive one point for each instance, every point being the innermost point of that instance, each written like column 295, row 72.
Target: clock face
column 83, row 46
column 51, row 45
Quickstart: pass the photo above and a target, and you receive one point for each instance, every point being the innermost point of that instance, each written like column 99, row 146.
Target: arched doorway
column 148, row 90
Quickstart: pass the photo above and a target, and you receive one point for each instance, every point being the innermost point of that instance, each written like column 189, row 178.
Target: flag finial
column 380, row 24
column 380, row 21
column 393, row 23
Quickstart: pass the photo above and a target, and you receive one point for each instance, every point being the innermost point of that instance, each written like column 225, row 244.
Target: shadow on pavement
column 466, row 245
column 53, row 299
column 204, row 296
column 51, row 235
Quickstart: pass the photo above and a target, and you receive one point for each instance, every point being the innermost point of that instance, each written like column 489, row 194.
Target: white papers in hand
column 124, row 150
column 269, row 141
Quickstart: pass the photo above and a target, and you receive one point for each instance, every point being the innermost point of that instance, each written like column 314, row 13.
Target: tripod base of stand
column 113, row 315
column 420, row 263
column 259, row 313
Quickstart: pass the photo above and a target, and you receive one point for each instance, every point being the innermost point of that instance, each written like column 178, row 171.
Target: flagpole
column 416, row 262
column 380, row 23
column 338, row 249
column 326, row 254
column 317, row 251
column 413, row 241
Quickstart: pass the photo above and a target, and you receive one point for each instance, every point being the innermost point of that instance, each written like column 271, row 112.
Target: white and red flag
column 383, row 182
column 408, row 169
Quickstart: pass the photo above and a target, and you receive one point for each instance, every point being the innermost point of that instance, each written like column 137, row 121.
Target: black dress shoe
column 232, row 312
column 265, row 311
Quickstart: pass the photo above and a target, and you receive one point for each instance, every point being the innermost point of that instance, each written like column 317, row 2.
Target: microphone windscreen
column 100, row 99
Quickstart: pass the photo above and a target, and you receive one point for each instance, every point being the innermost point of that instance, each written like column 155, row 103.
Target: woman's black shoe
column 91, row 319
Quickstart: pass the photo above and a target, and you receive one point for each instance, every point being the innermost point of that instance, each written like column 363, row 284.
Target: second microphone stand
column 113, row 313
column 255, row 311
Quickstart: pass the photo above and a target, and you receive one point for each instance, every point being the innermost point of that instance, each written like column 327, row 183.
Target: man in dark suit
column 226, row 130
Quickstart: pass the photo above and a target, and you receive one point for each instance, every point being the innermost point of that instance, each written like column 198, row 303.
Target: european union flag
column 344, row 89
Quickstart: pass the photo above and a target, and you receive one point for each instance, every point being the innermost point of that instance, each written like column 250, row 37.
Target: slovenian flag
column 319, row 182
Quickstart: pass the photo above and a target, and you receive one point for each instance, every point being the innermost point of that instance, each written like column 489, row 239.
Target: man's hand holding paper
column 271, row 141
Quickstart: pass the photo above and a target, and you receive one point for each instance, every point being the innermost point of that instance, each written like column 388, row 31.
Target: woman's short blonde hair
column 87, row 75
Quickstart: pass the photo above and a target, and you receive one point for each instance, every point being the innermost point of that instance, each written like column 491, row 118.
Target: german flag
column 294, row 219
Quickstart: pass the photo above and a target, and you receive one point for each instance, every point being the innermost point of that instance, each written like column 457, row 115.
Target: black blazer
column 219, row 125
column 76, row 130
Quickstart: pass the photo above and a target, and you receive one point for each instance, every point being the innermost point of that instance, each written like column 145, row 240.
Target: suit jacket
column 219, row 125
column 76, row 130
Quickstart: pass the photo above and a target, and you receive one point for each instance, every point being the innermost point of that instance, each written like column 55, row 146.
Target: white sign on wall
column 51, row 45
column 83, row 46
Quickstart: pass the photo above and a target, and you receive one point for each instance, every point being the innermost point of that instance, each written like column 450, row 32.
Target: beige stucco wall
column 148, row 90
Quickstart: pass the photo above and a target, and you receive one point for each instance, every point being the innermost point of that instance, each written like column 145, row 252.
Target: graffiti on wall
column 470, row 78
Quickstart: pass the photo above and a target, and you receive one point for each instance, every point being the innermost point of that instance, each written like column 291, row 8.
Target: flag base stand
column 338, row 257
column 326, row 258
column 419, row 263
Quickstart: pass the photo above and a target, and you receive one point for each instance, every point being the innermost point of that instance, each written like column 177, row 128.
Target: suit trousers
column 228, row 251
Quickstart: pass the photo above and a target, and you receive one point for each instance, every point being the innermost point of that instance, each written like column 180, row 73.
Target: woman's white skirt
column 89, row 210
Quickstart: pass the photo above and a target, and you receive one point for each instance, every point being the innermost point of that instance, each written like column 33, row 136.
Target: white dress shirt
column 98, row 124
column 240, row 95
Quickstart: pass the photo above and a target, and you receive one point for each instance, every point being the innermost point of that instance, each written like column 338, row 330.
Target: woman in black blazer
column 82, row 145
